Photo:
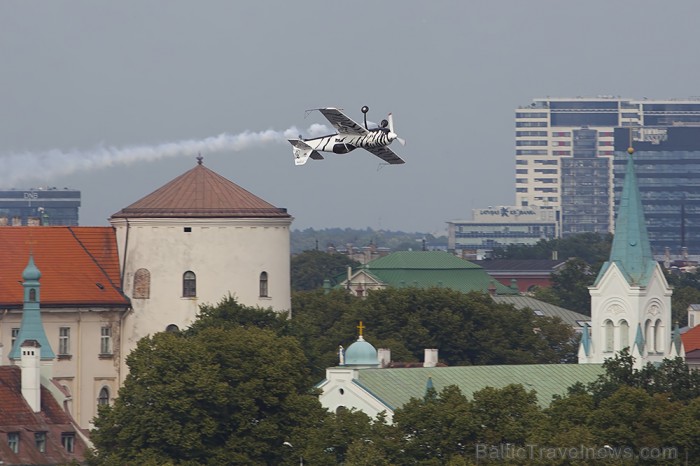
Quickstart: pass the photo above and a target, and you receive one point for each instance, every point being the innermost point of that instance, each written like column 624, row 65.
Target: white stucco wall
column 615, row 300
column 338, row 390
column 227, row 256
column 83, row 371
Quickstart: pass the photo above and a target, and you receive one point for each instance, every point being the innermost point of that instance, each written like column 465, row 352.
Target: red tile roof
column 201, row 192
column 17, row 416
column 691, row 339
column 79, row 265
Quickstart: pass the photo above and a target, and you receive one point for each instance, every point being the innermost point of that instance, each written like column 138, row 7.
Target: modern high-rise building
column 667, row 161
column 499, row 227
column 565, row 149
column 45, row 206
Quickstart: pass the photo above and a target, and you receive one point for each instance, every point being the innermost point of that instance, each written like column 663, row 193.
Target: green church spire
column 631, row 250
column 31, row 327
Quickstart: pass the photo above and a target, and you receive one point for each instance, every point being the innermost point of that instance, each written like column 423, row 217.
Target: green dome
column 361, row 353
column 31, row 272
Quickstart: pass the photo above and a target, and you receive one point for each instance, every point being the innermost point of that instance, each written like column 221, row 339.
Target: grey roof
column 395, row 387
column 549, row 310
column 520, row 265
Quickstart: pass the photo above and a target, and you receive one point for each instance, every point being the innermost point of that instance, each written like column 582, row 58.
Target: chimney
column 31, row 373
column 431, row 357
column 384, row 356
column 492, row 288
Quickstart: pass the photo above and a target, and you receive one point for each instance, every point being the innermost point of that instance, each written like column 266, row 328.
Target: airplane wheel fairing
column 384, row 123
column 365, row 109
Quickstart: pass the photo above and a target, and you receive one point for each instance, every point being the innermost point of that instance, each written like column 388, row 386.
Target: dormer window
column 13, row 441
column 68, row 441
column 40, row 441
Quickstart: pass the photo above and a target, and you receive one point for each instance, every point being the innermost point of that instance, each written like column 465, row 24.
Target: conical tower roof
column 631, row 250
column 198, row 193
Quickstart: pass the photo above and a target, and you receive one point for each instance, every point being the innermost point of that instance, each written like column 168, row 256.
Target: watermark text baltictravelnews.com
column 507, row 451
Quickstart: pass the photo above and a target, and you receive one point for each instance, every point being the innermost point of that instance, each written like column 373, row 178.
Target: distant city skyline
column 85, row 79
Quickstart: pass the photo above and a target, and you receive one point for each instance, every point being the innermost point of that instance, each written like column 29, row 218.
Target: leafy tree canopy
column 593, row 248
column 211, row 396
column 466, row 328
column 310, row 268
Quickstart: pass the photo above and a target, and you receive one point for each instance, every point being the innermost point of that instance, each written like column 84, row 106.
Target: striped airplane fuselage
column 344, row 143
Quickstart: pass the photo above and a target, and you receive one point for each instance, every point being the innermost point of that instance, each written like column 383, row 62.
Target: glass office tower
column 562, row 145
column 45, row 206
column 667, row 162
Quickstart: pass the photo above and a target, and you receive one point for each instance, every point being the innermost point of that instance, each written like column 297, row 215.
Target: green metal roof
column 421, row 260
column 395, row 387
column 631, row 250
column 427, row 269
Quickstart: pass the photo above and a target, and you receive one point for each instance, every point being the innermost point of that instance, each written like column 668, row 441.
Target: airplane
column 350, row 136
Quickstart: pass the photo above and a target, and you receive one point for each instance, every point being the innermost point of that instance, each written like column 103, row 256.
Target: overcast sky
column 115, row 98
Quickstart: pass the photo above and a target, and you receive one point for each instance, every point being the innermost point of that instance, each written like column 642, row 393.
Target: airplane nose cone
column 392, row 136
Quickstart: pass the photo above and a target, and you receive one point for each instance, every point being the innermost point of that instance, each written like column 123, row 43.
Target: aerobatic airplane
column 350, row 136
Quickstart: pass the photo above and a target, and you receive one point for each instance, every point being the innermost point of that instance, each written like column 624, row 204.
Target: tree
column 683, row 297
column 571, row 286
column 505, row 415
column 438, row 426
column 467, row 328
column 310, row 268
column 592, row 248
column 215, row 396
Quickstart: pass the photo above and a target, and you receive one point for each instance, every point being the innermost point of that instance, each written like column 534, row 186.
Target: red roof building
column 47, row 437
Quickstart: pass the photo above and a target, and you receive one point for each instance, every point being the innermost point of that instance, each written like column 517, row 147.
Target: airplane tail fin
column 303, row 151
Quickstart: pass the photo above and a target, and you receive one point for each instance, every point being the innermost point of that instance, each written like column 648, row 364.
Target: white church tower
column 630, row 299
column 194, row 241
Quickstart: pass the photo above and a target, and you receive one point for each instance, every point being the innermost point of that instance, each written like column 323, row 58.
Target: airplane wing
column 386, row 154
column 342, row 123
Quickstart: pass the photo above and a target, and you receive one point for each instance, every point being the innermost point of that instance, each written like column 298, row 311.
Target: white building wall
column 338, row 391
column 614, row 300
column 227, row 256
column 83, row 367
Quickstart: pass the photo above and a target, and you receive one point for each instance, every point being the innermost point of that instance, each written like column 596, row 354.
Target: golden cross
column 361, row 328
column 31, row 242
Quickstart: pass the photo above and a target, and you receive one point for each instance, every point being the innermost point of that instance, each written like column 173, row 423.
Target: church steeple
column 630, row 299
column 631, row 250
column 32, row 327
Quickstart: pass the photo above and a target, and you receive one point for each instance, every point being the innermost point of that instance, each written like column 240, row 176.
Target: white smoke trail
column 45, row 165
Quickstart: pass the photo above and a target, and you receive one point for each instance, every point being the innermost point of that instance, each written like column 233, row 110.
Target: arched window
column 142, row 284
column 103, row 397
column 172, row 328
column 658, row 337
column 189, row 284
column 624, row 334
column 32, row 294
column 263, row 285
column 609, row 337
column 648, row 336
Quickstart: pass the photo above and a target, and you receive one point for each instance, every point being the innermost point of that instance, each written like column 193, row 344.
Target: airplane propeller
column 392, row 135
